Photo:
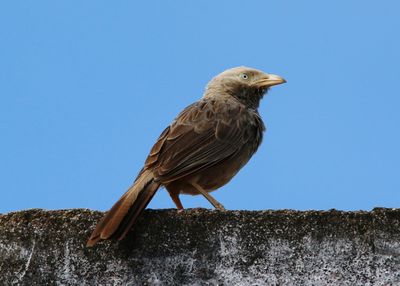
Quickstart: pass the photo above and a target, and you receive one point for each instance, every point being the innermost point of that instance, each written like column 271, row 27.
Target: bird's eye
column 244, row 76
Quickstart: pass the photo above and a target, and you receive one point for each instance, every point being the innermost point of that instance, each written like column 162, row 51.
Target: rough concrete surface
column 203, row 247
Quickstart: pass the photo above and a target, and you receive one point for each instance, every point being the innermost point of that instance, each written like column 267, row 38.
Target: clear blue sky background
column 86, row 87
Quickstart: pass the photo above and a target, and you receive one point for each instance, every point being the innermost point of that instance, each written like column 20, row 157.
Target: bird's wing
column 205, row 133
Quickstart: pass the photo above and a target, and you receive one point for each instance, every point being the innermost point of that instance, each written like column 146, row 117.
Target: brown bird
column 202, row 149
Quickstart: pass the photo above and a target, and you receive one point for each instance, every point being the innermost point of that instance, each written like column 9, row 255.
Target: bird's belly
column 213, row 177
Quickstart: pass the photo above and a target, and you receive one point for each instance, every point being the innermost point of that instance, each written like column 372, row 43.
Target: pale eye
column 244, row 76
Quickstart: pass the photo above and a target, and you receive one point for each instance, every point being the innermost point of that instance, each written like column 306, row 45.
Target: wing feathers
column 202, row 135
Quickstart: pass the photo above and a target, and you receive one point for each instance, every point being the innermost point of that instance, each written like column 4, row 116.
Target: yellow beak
column 268, row 80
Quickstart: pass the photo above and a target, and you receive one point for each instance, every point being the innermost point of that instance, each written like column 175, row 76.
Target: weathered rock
column 202, row 247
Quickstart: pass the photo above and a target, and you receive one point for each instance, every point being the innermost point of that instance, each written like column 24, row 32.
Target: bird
column 201, row 150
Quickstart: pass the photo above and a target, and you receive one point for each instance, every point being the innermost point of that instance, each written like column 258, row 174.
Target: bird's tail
column 121, row 217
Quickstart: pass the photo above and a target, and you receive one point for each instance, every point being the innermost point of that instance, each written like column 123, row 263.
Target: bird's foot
column 218, row 206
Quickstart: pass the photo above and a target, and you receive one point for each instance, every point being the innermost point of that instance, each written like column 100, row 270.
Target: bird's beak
column 268, row 80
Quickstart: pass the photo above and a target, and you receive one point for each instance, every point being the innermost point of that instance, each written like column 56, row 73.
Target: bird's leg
column 213, row 201
column 175, row 198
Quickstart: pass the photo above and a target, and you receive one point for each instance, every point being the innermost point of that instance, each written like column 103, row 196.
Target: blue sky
column 86, row 87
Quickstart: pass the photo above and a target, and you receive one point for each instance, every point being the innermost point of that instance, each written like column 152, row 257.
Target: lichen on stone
column 203, row 247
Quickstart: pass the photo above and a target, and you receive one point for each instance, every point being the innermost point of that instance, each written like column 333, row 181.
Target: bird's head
column 247, row 85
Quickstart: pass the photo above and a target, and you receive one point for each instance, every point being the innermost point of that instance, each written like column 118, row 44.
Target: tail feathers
column 121, row 217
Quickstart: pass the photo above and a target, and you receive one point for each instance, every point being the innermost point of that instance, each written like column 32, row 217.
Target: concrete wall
column 202, row 247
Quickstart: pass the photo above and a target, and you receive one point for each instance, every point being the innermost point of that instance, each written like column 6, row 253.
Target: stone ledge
column 203, row 247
